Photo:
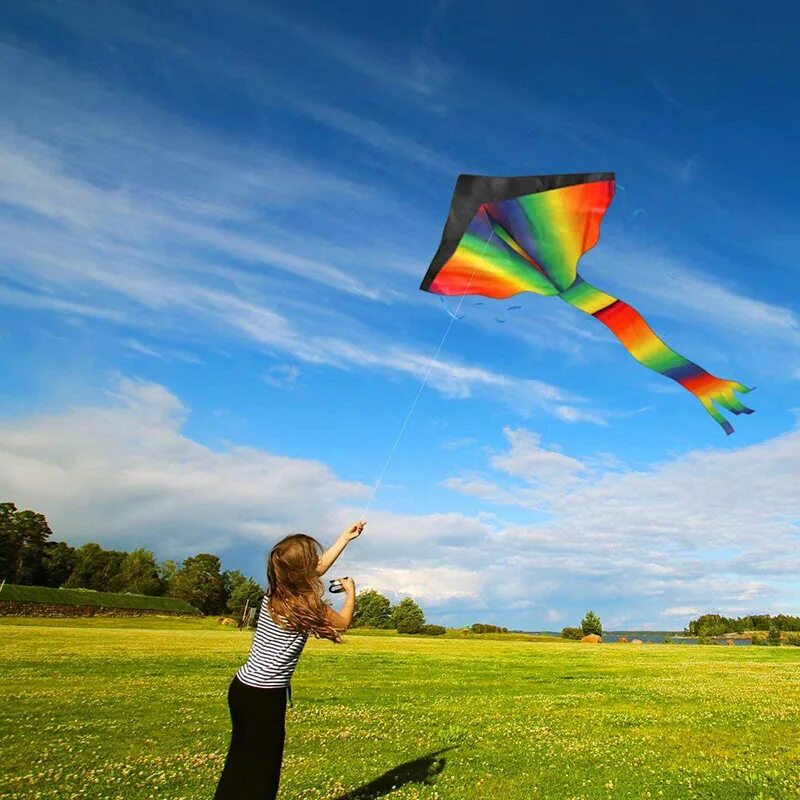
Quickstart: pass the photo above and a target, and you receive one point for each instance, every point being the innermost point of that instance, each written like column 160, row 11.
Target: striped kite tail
column 638, row 338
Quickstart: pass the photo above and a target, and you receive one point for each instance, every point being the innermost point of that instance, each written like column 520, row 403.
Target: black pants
column 253, row 766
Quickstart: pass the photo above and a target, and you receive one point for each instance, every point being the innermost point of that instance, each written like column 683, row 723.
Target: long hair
column 295, row 590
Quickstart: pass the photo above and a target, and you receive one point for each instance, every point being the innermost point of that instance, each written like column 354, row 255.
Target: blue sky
column 215, row 218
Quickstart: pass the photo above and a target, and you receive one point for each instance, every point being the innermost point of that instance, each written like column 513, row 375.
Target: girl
column 292, row 608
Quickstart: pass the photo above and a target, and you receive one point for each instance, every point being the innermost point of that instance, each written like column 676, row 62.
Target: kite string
column 427, row 375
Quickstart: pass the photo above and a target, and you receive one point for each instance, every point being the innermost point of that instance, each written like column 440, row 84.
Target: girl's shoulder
column 278, row 621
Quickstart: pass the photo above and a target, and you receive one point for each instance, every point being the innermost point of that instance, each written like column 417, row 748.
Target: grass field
column 87, row 597
column 120, row 709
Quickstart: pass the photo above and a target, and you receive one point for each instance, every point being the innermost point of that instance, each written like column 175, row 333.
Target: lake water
column 657, row 637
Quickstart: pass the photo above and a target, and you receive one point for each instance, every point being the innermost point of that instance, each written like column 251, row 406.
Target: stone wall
column 15, row 608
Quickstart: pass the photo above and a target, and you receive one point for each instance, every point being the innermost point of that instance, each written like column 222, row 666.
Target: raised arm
column 341, row 620
column 335, row 550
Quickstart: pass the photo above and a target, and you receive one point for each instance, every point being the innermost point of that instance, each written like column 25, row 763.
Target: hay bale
column 636, row 641
column 592, row 638
column 622, row 640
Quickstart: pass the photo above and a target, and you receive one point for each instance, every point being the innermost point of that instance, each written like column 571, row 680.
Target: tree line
column 374, row 610
column 717, row 625
column 29, row 557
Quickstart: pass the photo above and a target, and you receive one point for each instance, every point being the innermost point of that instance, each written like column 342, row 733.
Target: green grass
column 87, row 597
column 460, row 633
column 103, row 709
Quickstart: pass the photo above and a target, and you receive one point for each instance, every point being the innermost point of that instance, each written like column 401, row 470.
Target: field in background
column 460, row 633
column 88, row 597
column 135, row 709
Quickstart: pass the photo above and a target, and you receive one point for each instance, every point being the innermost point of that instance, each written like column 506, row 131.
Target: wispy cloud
column 369, row 62
column 160, row 352
column 458, row 444
column 690, row 294
column 374, row 134
column 282, row 376
column 161, row 257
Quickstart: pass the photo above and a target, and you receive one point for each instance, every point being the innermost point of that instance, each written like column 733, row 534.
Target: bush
column 793, row 639
column 482, row 627
column 432, row 630
column 774, row 638
column 759, row 639
column 571, row 633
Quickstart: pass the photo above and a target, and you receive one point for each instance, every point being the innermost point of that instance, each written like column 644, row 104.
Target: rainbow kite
column 509, row 235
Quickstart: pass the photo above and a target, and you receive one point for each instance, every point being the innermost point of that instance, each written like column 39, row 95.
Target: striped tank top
column 273, row 655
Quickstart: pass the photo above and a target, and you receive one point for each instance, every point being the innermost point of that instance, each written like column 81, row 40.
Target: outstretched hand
column 354, row 531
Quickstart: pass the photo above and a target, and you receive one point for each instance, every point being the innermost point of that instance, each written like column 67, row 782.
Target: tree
column 200, row 583
column 166, row 572
column 34, row 533
column 139, row 573
column 407, row 616
column 23, row 535
column 591, row 624
column 88, row 563
column 241, row 592
column 716, row 625
column 9, row 543
column 96, row 569
column 774, row 638
column 373, row 610
column 58, row 561
column 482, row 627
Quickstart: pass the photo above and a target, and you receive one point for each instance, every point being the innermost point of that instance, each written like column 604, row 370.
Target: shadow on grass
column 423, row 770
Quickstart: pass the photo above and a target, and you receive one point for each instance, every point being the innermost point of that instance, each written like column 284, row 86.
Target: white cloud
column 282, row 376
column 377, row 66
column 159, row 352
column 431, row 585
column 537, row 465
column 126, row 475
column 718, row 529
column 689, row 293
column 173, row 255
column 137, row 226
column 543, row 471
column 736, row 324
column 637, row 545
column 682, row 611
column 458, row 444
column 370, row 132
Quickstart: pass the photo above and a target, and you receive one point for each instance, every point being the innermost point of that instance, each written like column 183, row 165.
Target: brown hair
column 295, row 589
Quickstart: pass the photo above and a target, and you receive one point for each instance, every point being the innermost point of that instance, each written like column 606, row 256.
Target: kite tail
column 628, row 325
